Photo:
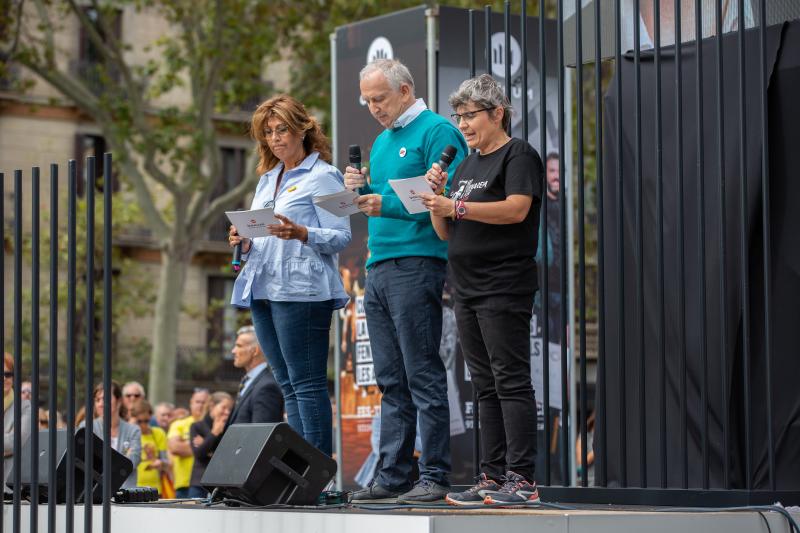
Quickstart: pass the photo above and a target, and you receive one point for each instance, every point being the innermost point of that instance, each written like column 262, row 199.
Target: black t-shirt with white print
column 494, row 259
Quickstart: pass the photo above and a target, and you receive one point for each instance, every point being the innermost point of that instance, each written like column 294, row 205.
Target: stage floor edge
column 196, row 519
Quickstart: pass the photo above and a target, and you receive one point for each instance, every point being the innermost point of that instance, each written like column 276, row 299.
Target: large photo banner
column 453, row 68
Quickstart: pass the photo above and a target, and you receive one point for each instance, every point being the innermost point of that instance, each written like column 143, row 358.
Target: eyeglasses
column 133, row 395
column 281, row 130
column 468, row 115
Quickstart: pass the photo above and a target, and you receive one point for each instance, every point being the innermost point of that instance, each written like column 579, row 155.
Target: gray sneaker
column 424, row 491
column 374, row 493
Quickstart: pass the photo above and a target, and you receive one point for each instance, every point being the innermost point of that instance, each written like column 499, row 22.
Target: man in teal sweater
column 403, row 295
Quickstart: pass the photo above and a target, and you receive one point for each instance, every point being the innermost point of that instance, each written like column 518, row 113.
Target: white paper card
column 341, row 204
column 408, row 191
column 252, row 224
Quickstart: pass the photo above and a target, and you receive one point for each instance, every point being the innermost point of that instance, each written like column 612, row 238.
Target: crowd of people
column 169, row 446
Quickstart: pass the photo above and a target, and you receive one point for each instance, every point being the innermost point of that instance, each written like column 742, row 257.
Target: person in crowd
column 180, row 447
column 403, row 296
column 80, row 416
column 155, row 464
column 207, row 432
column 291, row 280
column 162, row 415
column 259, row 398
column 132, row 394
column 491, row 220
column 9, row 427
column 26, row 390
column 178, row 413
column 125, row 438
column 590, row 424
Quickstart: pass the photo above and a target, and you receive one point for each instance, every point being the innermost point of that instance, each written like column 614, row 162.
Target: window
column 87, row 145
column 232, row 173
column 88, row 66
column 223, row 319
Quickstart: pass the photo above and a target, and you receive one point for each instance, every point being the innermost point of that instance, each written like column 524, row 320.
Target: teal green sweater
column 396, row 233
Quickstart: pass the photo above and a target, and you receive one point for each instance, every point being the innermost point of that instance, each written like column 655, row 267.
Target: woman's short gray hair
column 484, row 91
column 397, row 74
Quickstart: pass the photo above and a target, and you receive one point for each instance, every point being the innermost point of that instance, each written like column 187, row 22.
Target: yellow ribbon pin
column 292, row 188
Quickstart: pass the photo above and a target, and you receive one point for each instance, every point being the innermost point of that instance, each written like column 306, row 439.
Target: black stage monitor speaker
column 121, row 467
column 266, row 464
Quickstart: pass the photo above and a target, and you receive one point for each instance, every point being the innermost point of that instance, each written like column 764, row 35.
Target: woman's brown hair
column 294, row 114
column 116, row 392
column 214, row 400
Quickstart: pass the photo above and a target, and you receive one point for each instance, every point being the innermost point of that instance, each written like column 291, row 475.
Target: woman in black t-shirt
column 491, row 219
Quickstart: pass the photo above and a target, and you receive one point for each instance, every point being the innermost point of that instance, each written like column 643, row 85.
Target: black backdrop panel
column 783, row 50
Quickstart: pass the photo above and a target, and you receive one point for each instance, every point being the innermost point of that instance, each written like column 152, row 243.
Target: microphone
column 355, row 160
column 447, row 157
column 236, row 262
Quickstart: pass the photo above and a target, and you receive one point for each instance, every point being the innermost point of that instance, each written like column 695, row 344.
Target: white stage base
column 141, row 518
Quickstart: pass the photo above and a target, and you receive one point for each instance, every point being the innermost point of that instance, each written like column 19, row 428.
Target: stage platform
column 195, row 518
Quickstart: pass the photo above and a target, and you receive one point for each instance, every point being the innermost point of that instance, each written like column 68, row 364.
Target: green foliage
column 132, row 290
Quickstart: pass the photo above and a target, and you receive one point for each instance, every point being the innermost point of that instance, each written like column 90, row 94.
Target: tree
column 215, row 51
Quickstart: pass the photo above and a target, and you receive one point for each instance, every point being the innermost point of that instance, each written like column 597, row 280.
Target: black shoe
column 374, row 493
column 424, row 491
column 515, row 489
column 475, row 494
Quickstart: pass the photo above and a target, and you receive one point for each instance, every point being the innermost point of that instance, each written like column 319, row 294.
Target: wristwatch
column 461, row 209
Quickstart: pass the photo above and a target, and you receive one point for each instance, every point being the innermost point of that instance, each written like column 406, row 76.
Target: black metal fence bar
column 507, row 52
column 88, row 458
column 584, row 391
column 661, row 337
column 601, row 391
column 681, row 259
column 17, row 461
column 701, row 238
column 723, row 278
column 639, row 244
column 620, row 250
column 765, row 221
column 523, row 32
column 52, row 382
column 745, row 275
column 545, row 254
column 107, row 278
column 3, row 329
column 562, row 126
column 476, row 437
column 72, row 178
column 35, row 271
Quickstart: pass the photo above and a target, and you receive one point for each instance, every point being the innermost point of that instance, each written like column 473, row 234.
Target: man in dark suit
column 260, row 398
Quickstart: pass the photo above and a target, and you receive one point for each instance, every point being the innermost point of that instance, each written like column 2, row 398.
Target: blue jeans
column 403, row 302
column 294, row 337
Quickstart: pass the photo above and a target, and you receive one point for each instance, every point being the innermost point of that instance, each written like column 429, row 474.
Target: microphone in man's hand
column 236, row 262
column 447, row 157
column 355, row 161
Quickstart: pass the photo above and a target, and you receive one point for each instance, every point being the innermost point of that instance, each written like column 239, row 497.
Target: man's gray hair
column 397, row 74
column 483, row 91
column 246, row 329
column 134, row 384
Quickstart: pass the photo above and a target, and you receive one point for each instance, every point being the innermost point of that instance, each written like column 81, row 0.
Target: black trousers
column 495, row 340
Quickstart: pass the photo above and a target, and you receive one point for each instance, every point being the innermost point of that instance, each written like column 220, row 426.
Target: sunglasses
column 8, row 374
column 133, row 395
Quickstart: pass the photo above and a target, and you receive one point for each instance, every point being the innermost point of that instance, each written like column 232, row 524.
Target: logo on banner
column 499, row 55
column 379, row 48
